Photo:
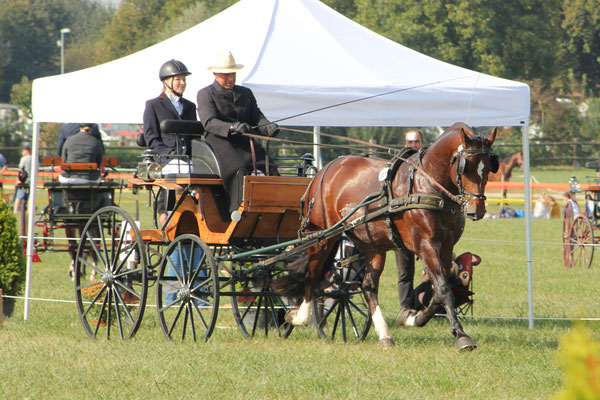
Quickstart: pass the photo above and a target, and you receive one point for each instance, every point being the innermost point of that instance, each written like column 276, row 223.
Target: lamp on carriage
column 574, row 185
column 61, row 43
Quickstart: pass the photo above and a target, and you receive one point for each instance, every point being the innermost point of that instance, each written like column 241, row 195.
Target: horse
column 505, row 169
column 458, row 163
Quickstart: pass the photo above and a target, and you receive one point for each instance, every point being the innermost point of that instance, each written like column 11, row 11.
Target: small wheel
column 187, row 290
column 581, row 243
column 340, row 308
column 256, row 307
column 566, row 247
column 111, row 245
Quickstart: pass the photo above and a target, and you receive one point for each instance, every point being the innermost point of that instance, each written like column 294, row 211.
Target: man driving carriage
column 227, row 112
column 83, row 147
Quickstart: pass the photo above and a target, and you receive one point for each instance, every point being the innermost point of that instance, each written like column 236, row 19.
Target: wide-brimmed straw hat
column 225, row 63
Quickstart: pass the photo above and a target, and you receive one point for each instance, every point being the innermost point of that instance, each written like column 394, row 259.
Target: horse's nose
column 475, row 210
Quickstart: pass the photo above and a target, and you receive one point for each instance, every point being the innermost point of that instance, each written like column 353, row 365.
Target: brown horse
column 459, row 160
column 505, row 169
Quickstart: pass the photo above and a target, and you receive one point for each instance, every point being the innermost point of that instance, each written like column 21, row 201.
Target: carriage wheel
column 115, row 300
column 262, row 309
column 187, row 290
column 567, row 222
column 581, row 243
column 340, row 308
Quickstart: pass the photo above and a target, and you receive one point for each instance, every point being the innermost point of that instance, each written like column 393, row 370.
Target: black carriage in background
column 70, row 205
column 203, row 257
column 581, row 231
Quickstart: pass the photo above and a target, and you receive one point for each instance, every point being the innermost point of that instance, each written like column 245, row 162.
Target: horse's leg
column 375, row 261
column 443, row 297
column 317, row 256
column 70, row 233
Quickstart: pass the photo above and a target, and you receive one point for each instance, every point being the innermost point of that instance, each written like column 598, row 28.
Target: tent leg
column 31, row 213
column 528, row 244
column 317, row 147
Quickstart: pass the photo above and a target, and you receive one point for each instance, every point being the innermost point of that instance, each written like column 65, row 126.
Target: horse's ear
column 492, row 136
column 466, row 139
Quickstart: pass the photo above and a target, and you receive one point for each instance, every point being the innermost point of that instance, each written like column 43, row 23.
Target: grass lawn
column 50, row 356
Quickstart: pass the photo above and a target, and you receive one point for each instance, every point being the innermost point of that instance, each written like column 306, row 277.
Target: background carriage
column 581, row 231
column 203, row 255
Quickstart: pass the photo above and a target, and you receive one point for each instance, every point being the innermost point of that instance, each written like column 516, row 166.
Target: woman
column 170, row 104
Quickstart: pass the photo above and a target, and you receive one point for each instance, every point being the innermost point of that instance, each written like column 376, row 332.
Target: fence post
column 1, row 308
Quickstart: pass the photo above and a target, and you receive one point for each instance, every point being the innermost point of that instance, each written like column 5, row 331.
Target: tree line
column 552, row 45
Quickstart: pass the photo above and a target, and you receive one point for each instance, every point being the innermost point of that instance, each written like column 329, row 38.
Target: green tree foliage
column 12, row 263
column 581, row 28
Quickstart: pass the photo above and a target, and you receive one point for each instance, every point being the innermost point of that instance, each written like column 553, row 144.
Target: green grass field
column 50, row 356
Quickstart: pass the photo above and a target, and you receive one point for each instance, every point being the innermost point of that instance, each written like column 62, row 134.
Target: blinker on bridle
column 460, row 158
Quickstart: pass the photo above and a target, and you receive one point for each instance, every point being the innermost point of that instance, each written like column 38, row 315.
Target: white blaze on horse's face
column 480, row 169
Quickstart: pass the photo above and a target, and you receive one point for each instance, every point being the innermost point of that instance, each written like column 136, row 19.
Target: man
column 405, row 263
column 170, row 104
column 82, row 147
column 227, row 112
column 70, row 129
column 22, row 193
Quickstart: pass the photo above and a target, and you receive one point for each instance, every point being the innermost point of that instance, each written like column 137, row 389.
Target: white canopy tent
column 299, row 55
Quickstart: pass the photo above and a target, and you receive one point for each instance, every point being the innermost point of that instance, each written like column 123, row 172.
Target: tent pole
column 528, row 244
column 31, row 213
column 317, row 147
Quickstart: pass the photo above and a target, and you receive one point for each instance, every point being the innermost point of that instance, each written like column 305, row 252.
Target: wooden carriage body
column 269, row 213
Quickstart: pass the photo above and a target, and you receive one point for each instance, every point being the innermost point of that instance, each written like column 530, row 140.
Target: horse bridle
column 460, row 158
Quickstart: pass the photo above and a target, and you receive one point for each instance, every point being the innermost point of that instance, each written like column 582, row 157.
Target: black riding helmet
column 172, row 68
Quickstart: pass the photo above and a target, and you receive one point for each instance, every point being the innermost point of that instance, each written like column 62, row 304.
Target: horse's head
column 520, row 159
column 470, row 166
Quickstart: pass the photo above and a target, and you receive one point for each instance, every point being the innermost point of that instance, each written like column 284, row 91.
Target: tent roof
column 299, row 55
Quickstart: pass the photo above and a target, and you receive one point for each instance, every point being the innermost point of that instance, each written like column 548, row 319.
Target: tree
column 581, row 42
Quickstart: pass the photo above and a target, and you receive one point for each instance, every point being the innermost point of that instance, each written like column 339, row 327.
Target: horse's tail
column 293, row 283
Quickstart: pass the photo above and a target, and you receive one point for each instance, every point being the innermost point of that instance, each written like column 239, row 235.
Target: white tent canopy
column 299, row 55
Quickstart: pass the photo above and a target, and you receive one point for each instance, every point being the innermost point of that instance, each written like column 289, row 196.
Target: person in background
column 405, row 261
column 568, row 199
column 170, row 104
column 227, row 112
column 3, row 167
column 542, row 207
column 72, row 128
column 22, row 193
column 554, row 208
column 82, row 147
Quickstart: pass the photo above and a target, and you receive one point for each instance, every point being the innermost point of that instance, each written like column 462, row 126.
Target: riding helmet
column 172, row 68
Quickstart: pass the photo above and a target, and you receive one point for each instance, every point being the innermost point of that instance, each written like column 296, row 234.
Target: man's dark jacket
column 159, row 109
column 218, row 109
column 83, row 148
column 70, row 129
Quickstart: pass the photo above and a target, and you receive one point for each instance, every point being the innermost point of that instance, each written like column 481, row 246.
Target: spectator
column 542, row 207
column 22, row 193
column 82, row 147
column 3, row 167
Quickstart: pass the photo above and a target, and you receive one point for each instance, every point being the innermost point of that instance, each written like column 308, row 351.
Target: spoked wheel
column 187, row 290
column 256, row 307
column 112, row 246
column 581, row 243
column 566, row 248
column 340, row 308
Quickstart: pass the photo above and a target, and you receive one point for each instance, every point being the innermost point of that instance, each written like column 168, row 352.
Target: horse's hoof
column 386, row 343
column 406, row 317
column 465, row 343
column 289, row 316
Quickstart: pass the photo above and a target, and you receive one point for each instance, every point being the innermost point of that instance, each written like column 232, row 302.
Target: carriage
column 71, row 205
column 203, row 257
column 581, row 231
column 202, row 254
